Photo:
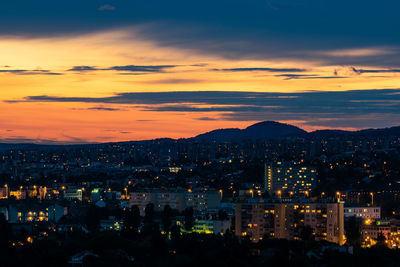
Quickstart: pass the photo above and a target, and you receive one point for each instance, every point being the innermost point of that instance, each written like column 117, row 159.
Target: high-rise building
column 259, row 220
column 289, row 178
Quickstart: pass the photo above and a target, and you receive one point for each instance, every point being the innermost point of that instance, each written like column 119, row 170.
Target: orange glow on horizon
column 77, row 122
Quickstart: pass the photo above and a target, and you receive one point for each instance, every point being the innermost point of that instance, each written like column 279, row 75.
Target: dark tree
column 131, row 219
column 352, row 228
column 222, row 215
column 167, row 218
column 380, row 241
column 5, row 236
column 149, row 226
column 306, row 233
column 149, row 213
column 93, row 219
column 189, row 221
column 4, row 232
column 175, row 232
column 158, row 245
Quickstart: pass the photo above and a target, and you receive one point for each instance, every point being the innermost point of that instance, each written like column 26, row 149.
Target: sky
column 118, row 70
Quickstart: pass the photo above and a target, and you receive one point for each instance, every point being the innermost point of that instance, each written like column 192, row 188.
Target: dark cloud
column 127, row 68
column 295, row 76
column 254, row 29
column 229, row 98
column 29, row 72
column 263, row 69
column 105, row 109
column 25, row 140
column 361, row 71
column 206, row 119
column 137, row 68
column 83, row 68
column 308, row 77
column 326, row 108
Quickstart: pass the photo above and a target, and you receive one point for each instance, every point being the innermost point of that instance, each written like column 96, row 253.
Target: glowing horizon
column 40, row 73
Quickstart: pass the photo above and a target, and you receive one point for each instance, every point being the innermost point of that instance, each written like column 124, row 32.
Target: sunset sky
column 117, row 70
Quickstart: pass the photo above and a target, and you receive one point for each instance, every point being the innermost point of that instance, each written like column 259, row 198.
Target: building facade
column 289, row 178
column 260, row 220
column 200, row 199
column 362, row 212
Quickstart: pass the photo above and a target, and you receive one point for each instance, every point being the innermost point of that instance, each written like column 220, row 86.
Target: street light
column 372, row 198
column 126, row 192
column 338, row 196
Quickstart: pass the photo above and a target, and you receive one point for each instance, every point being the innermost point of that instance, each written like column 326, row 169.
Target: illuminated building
column 36, row 213
column 362, row 212
column 38, row 192
column 4, row 192
column 96, row 194
column 373, row 230
column 200, row 199
column 18, row 194
column 211, row 226
column 73, row 194
column 141, row 199
column 289, row 178
column 42, row 192
column 175, row 169
column 286, row 220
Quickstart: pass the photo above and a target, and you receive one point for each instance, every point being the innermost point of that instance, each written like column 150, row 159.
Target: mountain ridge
column 261, row 130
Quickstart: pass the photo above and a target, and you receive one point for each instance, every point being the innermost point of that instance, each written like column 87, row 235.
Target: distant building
column 362, row 212
column 112, row 195
column 174, row 169
column 289, row 178
column 377, row 228
column 18, row 194
column 21, row 213
column 286, row 220
column 387, row 228
column 4, row 211
column 200, row 199
column 4, row 192
column 141, row 199
column 111, row 224
column 211, row 226
column 96, row 194
column 73, row 194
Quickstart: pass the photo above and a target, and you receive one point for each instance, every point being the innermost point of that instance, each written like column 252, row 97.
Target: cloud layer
column 357, row 108
column 338, row 32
